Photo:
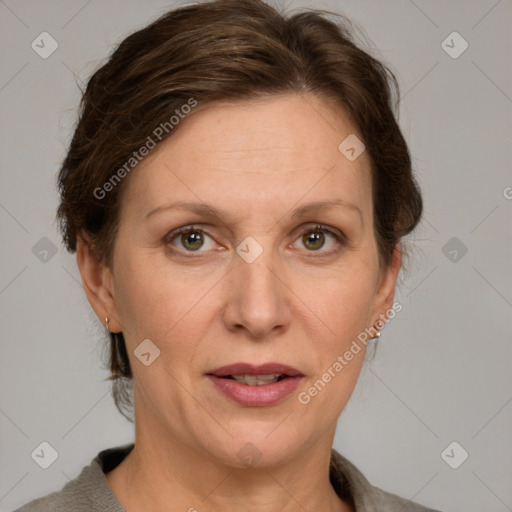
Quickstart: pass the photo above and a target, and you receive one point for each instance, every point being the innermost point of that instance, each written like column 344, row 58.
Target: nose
column 259, row 298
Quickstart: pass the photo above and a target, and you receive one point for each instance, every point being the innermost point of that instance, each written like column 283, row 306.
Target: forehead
column 268, row 150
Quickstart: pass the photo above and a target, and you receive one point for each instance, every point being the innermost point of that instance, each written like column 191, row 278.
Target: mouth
column 256, row 386
column 256, row 380
column 256, row 375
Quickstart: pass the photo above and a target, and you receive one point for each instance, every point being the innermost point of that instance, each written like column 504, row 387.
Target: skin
column 258, row 161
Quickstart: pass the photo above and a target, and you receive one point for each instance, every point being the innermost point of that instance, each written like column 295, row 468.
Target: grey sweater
column 90, row 492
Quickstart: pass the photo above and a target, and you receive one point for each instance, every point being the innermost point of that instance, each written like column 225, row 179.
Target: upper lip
column 251, row 369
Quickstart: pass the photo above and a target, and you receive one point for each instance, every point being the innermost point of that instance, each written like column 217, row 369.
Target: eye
column 191, row 239
column 315, row 238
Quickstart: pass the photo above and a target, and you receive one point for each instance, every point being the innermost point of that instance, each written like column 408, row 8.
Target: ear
column 386, row 287
column 97, row 283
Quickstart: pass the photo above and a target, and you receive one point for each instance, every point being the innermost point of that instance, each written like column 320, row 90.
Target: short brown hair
column 227, row 50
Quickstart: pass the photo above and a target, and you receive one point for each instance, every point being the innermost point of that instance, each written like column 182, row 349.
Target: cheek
column 344, row 308
column 343, row 304
column 342, row 300
column 160, row 307
column 160, row 303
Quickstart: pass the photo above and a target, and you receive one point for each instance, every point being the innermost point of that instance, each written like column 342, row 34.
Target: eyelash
column 340, row 238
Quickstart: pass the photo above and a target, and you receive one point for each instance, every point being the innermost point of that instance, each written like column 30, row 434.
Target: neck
column 164, row 474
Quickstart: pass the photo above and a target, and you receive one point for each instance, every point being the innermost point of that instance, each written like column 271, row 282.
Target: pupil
column 192, row 240
column 313, row 240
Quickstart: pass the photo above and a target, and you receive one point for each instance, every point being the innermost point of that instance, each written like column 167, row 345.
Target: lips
column 249, row 369
column 256, row 386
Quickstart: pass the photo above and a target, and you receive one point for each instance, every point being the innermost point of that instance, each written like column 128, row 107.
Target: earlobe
column 97, row 283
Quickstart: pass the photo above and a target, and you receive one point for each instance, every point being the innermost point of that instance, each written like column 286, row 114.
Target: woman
column 236, row 192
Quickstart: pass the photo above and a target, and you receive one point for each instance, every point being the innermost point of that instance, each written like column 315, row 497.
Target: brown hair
column 225, row 50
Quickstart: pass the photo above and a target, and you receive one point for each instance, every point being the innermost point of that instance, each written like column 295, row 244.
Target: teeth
column 256, row 380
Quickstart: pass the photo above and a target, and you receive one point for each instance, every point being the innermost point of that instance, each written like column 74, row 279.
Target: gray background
column 442, row 370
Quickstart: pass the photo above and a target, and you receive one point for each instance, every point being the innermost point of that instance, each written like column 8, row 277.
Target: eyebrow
column 206, row 210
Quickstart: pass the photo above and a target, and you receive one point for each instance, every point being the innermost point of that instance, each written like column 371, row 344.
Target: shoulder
column 385, row 501
column 366, row 497
column 88, row 491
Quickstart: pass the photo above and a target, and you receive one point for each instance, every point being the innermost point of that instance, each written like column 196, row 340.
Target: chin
column 255, row 448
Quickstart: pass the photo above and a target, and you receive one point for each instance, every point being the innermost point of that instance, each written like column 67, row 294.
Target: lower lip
column 256, row 396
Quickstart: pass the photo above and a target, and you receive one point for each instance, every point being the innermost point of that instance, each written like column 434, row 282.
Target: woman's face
column 254, row 281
